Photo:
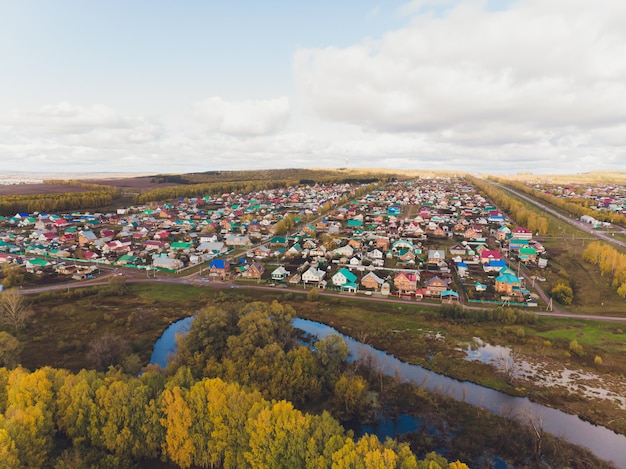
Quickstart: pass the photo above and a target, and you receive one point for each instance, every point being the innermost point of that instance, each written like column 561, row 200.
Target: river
column 604, row 443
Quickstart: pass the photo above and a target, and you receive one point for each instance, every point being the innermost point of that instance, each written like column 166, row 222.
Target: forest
column 242, row 392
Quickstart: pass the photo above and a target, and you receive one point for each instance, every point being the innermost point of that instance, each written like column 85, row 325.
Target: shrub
column 313, row 294
column 576, row 348
column 563, row 294
column 598, row 360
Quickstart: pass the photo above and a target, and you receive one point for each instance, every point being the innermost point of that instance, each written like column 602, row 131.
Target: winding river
column 603, row 442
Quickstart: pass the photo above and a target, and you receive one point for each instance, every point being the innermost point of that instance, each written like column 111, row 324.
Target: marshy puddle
column 587, row 384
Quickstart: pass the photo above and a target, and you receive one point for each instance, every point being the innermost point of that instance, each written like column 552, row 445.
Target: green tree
column 332, row 352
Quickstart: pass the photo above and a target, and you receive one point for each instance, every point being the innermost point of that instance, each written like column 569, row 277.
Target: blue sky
column 161, row 86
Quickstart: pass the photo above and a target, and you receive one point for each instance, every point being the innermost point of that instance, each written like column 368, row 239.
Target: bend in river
column 603, row 442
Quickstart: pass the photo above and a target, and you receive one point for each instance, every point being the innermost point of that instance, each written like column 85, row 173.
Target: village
column 431, row 238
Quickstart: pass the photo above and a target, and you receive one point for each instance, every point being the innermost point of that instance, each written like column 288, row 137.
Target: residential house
column 254, row 271
column 345, row 279
column 405, row 256
column 487, row 255
column 457, row 250
column 371, row 281
column 168, row 263
column 262, row 251
column 406, row 281
column 280, row 273
column 344, row 251
column 435, row 256
column 435, row 286
column 235, row 240
column 86, row 237
column 313, row 275
column 527, row 254
column 219, row 268
column 495, row 265
column 505, row 282
column 503, row 233
column 522, row 233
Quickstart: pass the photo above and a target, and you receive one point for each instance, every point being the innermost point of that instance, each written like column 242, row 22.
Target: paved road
column 578, row 224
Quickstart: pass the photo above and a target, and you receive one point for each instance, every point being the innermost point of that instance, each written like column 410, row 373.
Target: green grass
column 167, row 291
column 593, row 333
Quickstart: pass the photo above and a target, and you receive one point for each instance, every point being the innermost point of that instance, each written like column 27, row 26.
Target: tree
column 8, row 452
column 117, row 285
column 332, row 352
column 13, row 275
column 177, row 421
column 278, row 437
column 10, row 349
column 313, row 295
column 14, row 310
column 108, row 350
column 563, row 294
column 350, row 396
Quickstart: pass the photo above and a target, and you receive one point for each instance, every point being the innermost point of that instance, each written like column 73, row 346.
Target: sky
column 156, row 86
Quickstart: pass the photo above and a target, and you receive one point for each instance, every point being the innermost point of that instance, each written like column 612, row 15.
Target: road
column 133, row 276
column 581, row 226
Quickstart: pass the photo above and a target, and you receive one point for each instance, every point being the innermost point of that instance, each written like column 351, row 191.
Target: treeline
column 82, row 184
column 575, row 206
column 224, row 402
column 502, row 315
column 67, row 201
column 523, row 216
column 318, row 176
column 611, row 262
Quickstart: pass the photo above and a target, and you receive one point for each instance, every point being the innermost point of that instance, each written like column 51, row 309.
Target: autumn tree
column 10, row 349
column 278, row 437
column 13, row 275
column 15, row 311
column 563, row 293
column 350, row 396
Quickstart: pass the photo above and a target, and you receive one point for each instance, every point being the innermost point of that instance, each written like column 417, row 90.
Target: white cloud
column 536, row 85
column 539, row 64
column 243, row 118
column 65, row 117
